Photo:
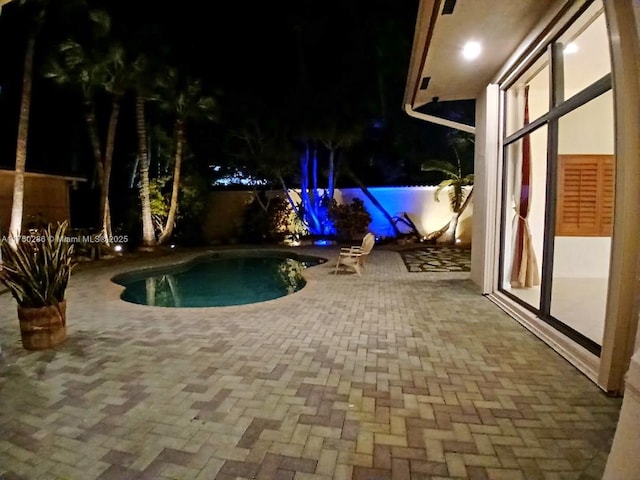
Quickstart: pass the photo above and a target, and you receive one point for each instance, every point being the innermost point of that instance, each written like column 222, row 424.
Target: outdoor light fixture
column 570, row 48
column 471, row 50
column 117, row 248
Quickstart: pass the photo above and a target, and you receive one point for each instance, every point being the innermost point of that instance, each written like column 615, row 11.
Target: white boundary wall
column 224, row 212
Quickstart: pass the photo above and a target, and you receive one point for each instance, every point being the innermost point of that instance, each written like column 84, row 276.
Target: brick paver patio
column 394, row 375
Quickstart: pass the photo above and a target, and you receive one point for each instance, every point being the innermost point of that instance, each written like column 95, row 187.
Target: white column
column 623, row 17
column 485, row 189
column 623, row 462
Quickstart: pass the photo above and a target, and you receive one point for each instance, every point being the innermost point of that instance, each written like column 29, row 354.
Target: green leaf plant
column 37, row 271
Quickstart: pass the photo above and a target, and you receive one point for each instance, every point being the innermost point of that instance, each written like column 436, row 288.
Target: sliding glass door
column 558, row 182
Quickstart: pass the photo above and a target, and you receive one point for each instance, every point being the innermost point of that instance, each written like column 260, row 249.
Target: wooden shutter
column 585, row 195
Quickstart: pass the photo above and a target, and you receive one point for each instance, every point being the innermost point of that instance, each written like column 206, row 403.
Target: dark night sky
column 254, row 46
column 248, row 50
column 339, row 59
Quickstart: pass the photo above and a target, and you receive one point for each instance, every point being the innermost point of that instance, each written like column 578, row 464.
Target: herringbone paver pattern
column 393, row 375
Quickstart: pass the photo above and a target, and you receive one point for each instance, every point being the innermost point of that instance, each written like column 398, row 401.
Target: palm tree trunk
column 304, row 181
column 331, row 176
column 453, row 227
column 438, row 233
column 148, row 235
column 310, row 217
column 17, row 207
column 173, row 206
column 404, row 218
column 105, row 211
column 375, row 202
column 314, row 170
column 94, row 141
column 447, row 234
column 294, row 207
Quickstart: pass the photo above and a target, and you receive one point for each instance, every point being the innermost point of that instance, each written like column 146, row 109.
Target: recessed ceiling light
column 471, row 50
column 570, row 48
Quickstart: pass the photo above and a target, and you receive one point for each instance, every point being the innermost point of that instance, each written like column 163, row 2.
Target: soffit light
column 570, row 48
column 471, row 50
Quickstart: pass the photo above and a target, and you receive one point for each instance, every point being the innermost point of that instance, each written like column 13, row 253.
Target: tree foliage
column 315, row 102
column 456, row 179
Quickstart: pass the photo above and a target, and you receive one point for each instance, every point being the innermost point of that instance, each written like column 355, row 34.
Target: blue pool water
column 217, row 280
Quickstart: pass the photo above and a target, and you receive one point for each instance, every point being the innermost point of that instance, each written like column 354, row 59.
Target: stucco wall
column 418, row 202
column 224, row 212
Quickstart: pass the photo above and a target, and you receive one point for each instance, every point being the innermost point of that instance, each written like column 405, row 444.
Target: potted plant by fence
column 37, row 273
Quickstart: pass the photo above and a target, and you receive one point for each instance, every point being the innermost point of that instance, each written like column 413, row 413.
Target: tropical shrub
column 265, row 220
column 351, row 220
column 37, row 271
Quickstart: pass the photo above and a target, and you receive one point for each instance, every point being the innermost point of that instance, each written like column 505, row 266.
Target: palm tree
column 103, row 69
column 188, row 104
column 335, row 138
column 17, row 207
column 118, row 78
column 459, row 197
column 148, row 235
column 349, row 171
column 144, row 90
column 374, row 201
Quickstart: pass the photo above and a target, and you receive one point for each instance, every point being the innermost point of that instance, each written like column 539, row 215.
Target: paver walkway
column 393, row 375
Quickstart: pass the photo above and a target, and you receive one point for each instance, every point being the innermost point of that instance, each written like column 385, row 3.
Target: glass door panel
column 584, row 217
column 524, row 209
column 536, row 81
column 585, row 48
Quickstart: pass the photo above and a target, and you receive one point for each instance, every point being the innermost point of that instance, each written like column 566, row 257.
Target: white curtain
column 524, row 268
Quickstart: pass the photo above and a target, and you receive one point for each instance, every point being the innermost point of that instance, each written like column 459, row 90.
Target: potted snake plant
column 36, row 273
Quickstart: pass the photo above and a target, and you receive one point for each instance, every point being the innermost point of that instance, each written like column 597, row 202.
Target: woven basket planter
column 43, row 327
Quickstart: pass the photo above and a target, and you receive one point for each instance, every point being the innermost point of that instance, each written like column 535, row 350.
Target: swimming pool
column 218, row 279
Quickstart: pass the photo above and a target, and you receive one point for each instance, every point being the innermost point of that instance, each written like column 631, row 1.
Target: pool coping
column 102, row 276
column 158, row 268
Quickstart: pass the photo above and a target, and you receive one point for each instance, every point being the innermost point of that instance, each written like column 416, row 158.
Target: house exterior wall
column 607, row 369
column 621, row 345
column 44, row 196
column 624, row 19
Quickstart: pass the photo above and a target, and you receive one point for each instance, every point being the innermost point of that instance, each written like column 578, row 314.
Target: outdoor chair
column 354, row 257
